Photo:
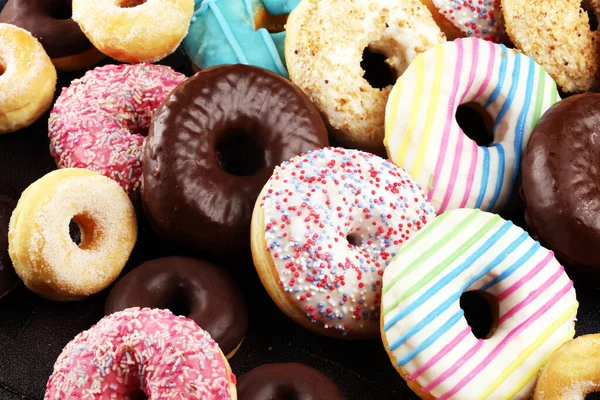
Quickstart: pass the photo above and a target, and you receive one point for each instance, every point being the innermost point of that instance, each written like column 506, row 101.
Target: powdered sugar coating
column 96, row 122
column 312, row 204
column 166, row 356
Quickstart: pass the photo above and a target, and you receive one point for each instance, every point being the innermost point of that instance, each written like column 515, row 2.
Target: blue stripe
column 266, row 36
column 431, row 339
column 235, row 46
column 500, row 180
column 501, row 77
column 446, row 279
column 509, row 271
column 484, row 176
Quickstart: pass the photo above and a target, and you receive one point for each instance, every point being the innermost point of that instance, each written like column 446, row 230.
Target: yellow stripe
column 392, row 111
column 529, row 351
column 419, row 66
column 433, row 108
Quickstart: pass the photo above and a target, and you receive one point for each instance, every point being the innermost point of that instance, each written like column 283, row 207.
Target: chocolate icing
column 60, row 37
column 189, row 197
column 8, row 276
column 287, row 382
column 561, row 182
column 194, row 288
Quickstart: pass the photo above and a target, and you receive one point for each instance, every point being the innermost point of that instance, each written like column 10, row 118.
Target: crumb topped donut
column 323, row 230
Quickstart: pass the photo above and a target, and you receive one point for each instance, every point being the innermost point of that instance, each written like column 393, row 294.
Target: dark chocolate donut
column 50, row 22
column 8, row 276
column 213, row 145
column 190, row 287
column 561, row 182
column 287, row 382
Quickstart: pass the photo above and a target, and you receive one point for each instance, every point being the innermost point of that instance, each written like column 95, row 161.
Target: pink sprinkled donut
column 100, row 121
column 142, row 351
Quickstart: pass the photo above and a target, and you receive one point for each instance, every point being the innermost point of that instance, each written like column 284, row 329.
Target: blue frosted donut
column 224, row 32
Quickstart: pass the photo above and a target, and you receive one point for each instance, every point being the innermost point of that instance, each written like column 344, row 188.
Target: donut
column 560, row 182
column 468, row 18
column 134, row 31
column 142, row 352
column 287, row 381
column 572, row 371
column 324, row 52
column 27, row 79
column 557, row 35
column 50, row 22
column 43, row 253
column 8, row 278
column 247, row 32
column 326, row 225
column 424, row 330
column 212, row 146
column 423, row 136
column 204, row 293
column 99, row 122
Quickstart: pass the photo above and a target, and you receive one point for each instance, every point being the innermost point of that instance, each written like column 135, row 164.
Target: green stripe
column 540, row 97
column 432, row 250
column 444, row 264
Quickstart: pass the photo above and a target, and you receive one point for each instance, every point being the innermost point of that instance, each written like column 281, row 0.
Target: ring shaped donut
column 201, row 291
column 50, row 22
column 247, row 32
column 424, row 137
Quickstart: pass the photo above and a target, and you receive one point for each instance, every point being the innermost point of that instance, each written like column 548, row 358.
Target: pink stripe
column 515, row 332
column 453, row 173
column 448, row 373
column 532, row 296
column 474, row 58
column 490, row 69
column 449, row 116
column 447, row 349
column 526, row 278
column 471, row 175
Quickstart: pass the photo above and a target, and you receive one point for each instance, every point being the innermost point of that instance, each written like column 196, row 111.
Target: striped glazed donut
column 423, row 136
column 424, row 331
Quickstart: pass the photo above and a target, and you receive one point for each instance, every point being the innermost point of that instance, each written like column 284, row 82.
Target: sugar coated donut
column 50, row 22
column 560, row 182
column 324, row 53
column 324, row 229
column 423, row 326
column 43, row 253
column 134, row 31
column 572, row 371
column 100, row 121
column 202, row 175
column 8, row 278
column 142, row 352
column 205, row 293
column 468, row 18
column 27, row 79
column 423, row 136
column 557, row 35
column 247, row 32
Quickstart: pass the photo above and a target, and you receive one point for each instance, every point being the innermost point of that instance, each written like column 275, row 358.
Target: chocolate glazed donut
column 212, row 146
column 189, row 287
column 287, row 382
column 561, row 182
column 8, row 276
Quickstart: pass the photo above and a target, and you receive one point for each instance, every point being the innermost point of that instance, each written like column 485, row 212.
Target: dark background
column 33, row 331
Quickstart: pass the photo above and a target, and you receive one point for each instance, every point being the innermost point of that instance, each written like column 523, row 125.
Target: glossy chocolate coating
column 60, row 37
column 8, row 276
column 189, row 198
column 287, row 382
column 197, row 289
column 561, row 182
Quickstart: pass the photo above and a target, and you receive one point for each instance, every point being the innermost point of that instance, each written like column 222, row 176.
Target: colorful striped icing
column 223, row 32
column 423, row 325
column 478, row 18
column 423, row 137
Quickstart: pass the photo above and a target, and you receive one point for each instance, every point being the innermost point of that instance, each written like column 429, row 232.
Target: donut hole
column 592, row 396
column 592, row 16
column 240, row 153
column 378, row 72
column 179, row 304
column 476, row 123
column 286, row 392
column 481, row 312
column 272, row 23
column 62, row 10
column 75, row 232
column 130, row 3
column 355, row 239
column 87, row 227
column 2, row 67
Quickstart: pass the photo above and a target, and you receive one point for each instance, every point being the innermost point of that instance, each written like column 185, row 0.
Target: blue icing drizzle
column 222, row 32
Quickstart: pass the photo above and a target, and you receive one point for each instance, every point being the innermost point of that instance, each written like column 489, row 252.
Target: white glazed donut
column 423, row 136
column 423, row 327
column 300, row 229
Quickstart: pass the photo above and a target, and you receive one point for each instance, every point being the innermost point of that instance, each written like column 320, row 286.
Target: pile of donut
column 235, row 161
